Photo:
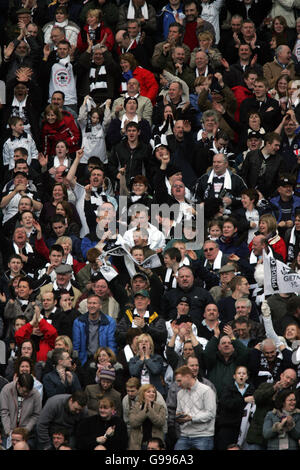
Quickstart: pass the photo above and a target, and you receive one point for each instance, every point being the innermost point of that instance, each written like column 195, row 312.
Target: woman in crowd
column 268, row 228
column 61, row 20
column 146, row 79
column 103, row 431
column 96, row 30
column 104, row 358
column 147, row 366
column 146, row 418
column 56, row 127
column 281, row 427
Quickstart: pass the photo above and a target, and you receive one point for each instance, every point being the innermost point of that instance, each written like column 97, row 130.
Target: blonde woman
column 268, row 227
column 147, row 366
column 146, row 418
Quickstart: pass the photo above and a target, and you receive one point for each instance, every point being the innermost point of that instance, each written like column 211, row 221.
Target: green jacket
column 219, row 371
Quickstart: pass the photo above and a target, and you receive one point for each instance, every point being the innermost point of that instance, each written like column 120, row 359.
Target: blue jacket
column 275, row 202
column 107, row 328
column 54, row 386
column 168, row 18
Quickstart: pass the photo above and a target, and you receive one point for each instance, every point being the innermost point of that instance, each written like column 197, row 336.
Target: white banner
column 279, row 278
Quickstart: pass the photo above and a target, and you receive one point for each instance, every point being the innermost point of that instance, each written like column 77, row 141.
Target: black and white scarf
column 264, row 369
column 98, row 77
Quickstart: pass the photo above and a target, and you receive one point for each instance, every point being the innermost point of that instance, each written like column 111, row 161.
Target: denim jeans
column 247, row 446
column 200, row 443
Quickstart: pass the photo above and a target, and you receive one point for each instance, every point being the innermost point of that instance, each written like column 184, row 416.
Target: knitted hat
column 108, row 374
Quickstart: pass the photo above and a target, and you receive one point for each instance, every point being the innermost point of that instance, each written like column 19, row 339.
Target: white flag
column 279, row 278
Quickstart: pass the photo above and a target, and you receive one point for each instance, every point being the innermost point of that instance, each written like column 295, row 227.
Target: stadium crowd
column 150, row 164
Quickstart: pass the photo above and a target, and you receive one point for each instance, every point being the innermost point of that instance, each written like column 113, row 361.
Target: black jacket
column 267, row 182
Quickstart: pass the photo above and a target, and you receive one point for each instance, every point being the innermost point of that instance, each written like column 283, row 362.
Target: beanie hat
column 108, row 374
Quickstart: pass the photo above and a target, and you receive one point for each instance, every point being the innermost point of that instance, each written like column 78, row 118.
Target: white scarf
column 125, row 118
column 128, row 352
column 227, row 179
column 27, row 247
column 131, row 11
column 62, row 24
column 135, row 313
column 217, row 262
column 253, row 258
column 56, row 162
column 292, row 240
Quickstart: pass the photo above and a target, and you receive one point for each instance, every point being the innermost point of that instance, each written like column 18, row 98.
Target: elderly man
column 214, row 258
column 142, row 316
column 243, row 308
column 98, row 74
column 281, row 65
column 266, row 363
column 62, row 282
column 198, row 296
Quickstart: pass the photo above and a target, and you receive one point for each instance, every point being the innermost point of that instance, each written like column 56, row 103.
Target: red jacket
column 148, row 83
column 277, row 244
column 43, row 250
column 82, row 44
column 240, row 93
column 47, row 341
column 66, row 130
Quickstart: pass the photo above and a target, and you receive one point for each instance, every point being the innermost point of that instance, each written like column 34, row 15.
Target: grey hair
column 245, row 300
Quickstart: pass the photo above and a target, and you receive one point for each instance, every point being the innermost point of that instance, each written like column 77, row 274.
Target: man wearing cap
column 63, row 281
column 92, row 330
column 226, row 274
column 285, row 203
column 105, row 389
column 144, row 317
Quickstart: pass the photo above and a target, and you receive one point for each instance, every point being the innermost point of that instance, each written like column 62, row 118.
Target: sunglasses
column 208, row 249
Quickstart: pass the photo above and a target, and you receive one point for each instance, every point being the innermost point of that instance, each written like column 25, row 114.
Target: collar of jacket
column 85, row 317
column 152, row 317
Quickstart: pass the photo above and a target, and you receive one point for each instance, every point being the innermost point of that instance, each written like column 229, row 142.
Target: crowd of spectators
column 122, row 125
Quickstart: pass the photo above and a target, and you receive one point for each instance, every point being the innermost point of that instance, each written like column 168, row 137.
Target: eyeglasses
column 208, row 249
column 177, row 186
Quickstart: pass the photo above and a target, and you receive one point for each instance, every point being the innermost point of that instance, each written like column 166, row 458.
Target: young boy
column 18, row 138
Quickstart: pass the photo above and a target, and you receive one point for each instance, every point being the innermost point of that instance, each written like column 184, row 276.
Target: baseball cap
column 142, row 292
